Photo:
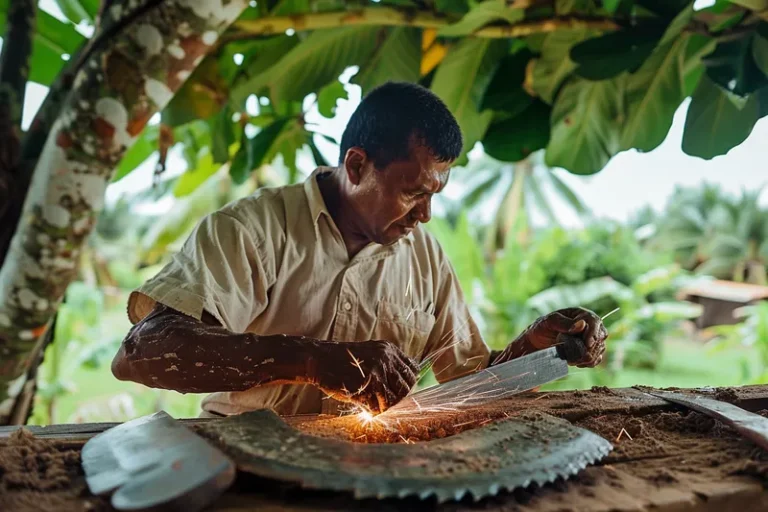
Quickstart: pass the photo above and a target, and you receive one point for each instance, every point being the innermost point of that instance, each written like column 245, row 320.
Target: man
column 303, row 297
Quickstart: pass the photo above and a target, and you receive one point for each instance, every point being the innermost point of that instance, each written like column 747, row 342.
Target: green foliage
column 559, row 269
column 716, row 234
column 584, row 94
column 751, row 332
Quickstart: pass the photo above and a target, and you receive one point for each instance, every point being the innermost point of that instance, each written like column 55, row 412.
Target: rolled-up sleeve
column 455, row 343
column 223, row 268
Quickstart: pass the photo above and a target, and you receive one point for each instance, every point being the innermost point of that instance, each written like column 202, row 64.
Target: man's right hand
column 374, row 374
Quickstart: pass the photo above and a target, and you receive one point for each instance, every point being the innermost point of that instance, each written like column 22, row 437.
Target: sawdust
column 42, row 476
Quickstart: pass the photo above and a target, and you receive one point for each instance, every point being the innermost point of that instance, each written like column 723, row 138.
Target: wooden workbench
column 667, row 459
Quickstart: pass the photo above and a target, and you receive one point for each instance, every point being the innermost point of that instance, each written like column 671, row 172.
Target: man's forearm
column 170, row 350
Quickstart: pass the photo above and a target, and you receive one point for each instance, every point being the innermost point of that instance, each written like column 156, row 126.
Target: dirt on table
column 659, row 449
column 43, row 476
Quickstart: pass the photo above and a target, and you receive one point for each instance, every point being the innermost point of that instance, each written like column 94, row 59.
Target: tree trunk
column 124, row 80
column 14, row 69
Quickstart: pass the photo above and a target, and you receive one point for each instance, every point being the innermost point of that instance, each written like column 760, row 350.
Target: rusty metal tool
column 527, row 449
column 750, row 425
column 153, row 461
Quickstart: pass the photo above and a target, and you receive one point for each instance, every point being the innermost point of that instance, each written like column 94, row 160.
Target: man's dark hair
column 396, row 115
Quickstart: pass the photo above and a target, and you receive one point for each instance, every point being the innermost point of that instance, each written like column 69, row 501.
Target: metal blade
column 515, row 452
column 497, row 381
column 155, row 460
column 752, row 426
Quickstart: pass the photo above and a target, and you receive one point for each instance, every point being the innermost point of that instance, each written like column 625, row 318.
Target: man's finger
column 407, row 371
column 561, row 323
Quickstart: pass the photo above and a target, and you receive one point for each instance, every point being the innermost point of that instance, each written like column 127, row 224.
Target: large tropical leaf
column 79, row 10
column 732, row 65
column 202, row 96
column 253, row 152
column 515, row 138
column 486, row 12
column 505, row 93
column 192, row 179
column 312, row 64
column 606, row 56
column 461, row 81
column 143, row 148
column 656, row 90
column 53, row 41
column 714, row 123
column 760, row 47
column 559, row 297
column 398, row 59
column 555, row 64
column 585, row 125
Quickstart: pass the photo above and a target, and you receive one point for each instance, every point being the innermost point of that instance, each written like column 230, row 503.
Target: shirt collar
column 315, row 199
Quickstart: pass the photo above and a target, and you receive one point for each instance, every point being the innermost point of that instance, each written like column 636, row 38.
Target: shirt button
column 347, row 306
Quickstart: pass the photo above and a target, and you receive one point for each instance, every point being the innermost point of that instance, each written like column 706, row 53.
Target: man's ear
column 354, row 164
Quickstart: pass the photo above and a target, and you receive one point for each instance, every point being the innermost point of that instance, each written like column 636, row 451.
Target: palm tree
column 715, row 234
column 515, row 193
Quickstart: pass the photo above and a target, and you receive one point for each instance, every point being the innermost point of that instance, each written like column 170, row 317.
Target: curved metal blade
column 513, row 453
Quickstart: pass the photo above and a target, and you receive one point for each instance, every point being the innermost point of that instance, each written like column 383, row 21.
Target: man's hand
column 555, row 328
column 375, row 374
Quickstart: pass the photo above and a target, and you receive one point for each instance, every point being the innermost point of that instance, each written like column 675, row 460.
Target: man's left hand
column 580, row 323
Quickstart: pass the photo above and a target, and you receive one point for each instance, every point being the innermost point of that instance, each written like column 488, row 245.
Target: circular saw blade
column 509, row 454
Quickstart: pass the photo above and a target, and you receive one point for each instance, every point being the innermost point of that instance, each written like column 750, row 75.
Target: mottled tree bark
column 120, row 84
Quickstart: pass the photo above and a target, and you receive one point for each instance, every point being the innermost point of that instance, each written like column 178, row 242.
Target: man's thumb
column 578, row 327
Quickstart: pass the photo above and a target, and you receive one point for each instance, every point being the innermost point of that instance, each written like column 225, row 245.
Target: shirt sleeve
column 455, row 343
column 221, row 269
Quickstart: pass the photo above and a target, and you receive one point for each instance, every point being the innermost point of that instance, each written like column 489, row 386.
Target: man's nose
column 424, row 211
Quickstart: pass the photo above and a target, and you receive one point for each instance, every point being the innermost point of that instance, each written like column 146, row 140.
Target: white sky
column 629, row 181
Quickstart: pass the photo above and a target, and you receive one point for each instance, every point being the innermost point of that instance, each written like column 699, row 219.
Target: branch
column 389, row 16
column 14, row 69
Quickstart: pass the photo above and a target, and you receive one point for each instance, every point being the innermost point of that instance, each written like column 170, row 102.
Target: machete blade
column 495, row 382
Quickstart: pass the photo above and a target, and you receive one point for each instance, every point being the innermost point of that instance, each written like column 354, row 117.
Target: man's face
column 390, row 202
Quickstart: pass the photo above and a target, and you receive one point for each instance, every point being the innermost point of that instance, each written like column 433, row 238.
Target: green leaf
column 559, row 297
column 193, row 178
column 755, row 5
column 253, row 152
column 144, row 147
column 222, row 135
column 665, row 7
column 505, row 92
column 259, row 56
column 653, row 95
column 555, row 64
column 316, row 61
column 320, row 160
column 452, row 6
column 461, row 81
column 760, row 47
column 714, row 124
column 328, row 96
column 516, row 138
column 287, row 143
column 52, row 39
column 563, row 7
column 586, row 125
column 398, row 60
column 202, row 96
column 606, row 56
column 77, row 11
column 484, row 13
column 732, row 66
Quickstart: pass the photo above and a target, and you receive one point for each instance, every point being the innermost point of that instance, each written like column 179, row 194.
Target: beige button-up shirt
column 275, row 263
